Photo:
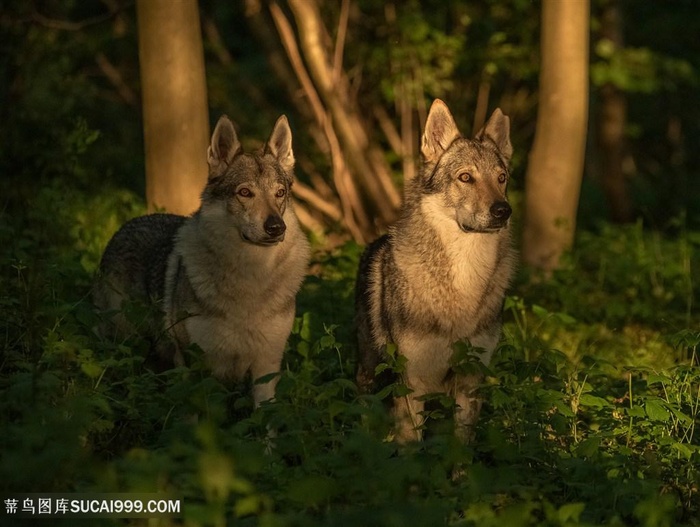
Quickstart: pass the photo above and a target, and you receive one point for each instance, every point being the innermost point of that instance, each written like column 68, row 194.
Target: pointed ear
column 497, row 130
column 280, row 144
column 440, row 131
column 224, row 146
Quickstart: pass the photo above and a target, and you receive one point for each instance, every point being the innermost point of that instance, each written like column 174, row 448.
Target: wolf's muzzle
column 274, row 226
column 500, row 212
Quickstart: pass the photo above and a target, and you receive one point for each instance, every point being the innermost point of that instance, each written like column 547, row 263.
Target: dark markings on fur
column 134, row 263
column 384, row 260
column 369, row 360
column 139, row 251
column 176, row 333
column 480, row 154
column 219, row 188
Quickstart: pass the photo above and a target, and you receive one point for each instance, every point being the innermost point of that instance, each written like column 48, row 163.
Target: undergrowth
column 593, row 398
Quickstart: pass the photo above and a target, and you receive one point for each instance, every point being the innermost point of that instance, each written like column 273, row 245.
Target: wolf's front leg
column 468, row 406
column 268, row 355
column 264, row 391
column 408, row 417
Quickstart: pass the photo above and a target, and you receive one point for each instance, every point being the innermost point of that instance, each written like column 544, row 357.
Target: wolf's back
column 134, row 262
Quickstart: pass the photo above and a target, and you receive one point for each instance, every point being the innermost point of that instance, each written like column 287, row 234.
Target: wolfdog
column 224, row 278
column 439, row 276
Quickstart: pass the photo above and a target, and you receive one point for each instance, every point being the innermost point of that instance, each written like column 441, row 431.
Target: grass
column 592, row 414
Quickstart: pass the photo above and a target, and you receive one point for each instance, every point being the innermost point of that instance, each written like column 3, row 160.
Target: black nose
column 501, row 210
column 274, row 226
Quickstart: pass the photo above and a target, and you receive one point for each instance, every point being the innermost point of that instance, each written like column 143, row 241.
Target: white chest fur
column 454, row 273
column 238, row 298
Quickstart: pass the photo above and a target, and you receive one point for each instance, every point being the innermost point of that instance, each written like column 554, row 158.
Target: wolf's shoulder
column 374, row 250
column 140, row 250
column 151, row 226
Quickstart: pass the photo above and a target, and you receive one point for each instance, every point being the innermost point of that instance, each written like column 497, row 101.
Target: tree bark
column 611, row 127
column 553, row 179
column 174, row 100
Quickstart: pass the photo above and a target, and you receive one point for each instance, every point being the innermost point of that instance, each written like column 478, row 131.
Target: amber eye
column 502, row 178
column 465, row 177
column 280, row 193
column 245, row 192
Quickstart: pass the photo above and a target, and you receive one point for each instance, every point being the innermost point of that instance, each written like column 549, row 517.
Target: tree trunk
column 611, row 127
column 174, row 99
column 553, row 179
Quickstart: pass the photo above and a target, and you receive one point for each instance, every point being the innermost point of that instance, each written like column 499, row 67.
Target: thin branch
column 308, row 221
column 369, row 167
column 69, row 25
column 482, row 104
column 340, row 40
column 218, row 46
column 311, row 197
column 387, row 126
column 216, row 42
column 114, row 76
column 409, row 166
column 347, row 192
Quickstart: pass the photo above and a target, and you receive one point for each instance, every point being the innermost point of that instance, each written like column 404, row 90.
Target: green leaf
column 311, row 490
column 682, row 417
column 564, row 409
column 654, row 378
column 499, row 398
column 685, row 449
column 381, row 367
column 248, row 505
column 588, row 447
column 656, row 411
column 540, row 311
column 303, row 349
column 91, row 369
column 571, row 512
column 592, row 400
column 635, row 411
column 305, row 330
column 326, row 341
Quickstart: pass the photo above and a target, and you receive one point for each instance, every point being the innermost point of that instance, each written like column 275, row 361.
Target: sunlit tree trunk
column 553, row 179
column 174, row 98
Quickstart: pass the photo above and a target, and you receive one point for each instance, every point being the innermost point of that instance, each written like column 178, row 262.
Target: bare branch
column 340, row 40
column 308, row 221
column 217, row 44
column 69, row 25
column 114, row 76
column 366, row 160
column 316, row 201
column 387, row 126
column 349, row 197
column 482, row 104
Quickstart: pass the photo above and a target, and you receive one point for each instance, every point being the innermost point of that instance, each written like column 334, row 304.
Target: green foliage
column 638, row 69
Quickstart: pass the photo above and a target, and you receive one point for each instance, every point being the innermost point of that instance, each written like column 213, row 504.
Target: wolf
column 440, row 274
column 225, row 278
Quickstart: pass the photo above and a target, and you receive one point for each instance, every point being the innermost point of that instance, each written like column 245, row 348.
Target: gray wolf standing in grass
column 439, row 276
column 225, row 278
